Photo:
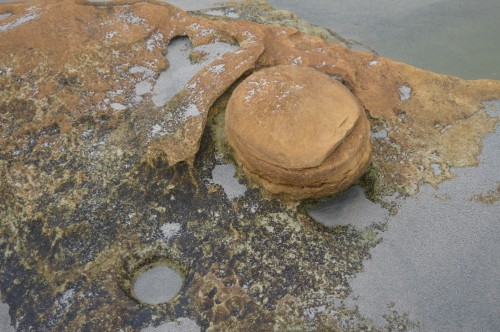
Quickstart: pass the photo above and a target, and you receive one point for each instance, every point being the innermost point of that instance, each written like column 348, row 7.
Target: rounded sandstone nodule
column 297, row 132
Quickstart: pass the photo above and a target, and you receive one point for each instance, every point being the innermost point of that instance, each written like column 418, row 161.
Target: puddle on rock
column 156, row 283
column 19, row 21
column 191, row 4
column 224, row 176
column 182, row 324
column 405, row 93
column 349, row 208
column 222, row 12
column 5, row 323
column 4, row 16
column 182, row 69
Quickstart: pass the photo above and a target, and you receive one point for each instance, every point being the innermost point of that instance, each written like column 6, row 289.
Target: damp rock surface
column 181, row 69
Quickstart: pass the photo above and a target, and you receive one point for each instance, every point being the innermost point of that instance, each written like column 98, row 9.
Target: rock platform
column 92, row 170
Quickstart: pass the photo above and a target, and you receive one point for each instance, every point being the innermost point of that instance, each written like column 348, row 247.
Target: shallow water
column 5, row 323
column 349, row 208
column 438, row 260
column 182, row 69
column 456, row 37
column 440, row 257
column 2, row 16
column 157, row 285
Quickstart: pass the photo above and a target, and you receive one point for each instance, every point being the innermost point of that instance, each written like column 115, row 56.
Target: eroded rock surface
column 92, row 171
column 298, row 132
column 94, row 69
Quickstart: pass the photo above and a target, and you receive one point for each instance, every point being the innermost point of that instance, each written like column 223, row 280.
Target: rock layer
column 298, row 132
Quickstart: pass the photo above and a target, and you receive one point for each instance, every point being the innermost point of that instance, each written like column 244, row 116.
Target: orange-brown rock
column 291, row 116
column 298, row 132
column 73, row 67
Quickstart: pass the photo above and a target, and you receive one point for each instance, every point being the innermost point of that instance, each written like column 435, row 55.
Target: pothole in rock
column 156, row 283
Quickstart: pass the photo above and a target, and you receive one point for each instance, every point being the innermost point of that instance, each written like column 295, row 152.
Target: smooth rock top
column 291, row 116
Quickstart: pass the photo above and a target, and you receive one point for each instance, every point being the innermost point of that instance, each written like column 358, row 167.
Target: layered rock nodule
column 298, row 132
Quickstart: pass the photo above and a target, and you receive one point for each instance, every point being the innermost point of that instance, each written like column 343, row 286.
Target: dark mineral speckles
column 242, row 257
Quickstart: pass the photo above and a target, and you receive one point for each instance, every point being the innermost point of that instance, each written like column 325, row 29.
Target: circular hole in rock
column 156, row 283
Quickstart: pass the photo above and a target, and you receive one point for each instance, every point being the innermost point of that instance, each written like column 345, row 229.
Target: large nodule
column 297, row 132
